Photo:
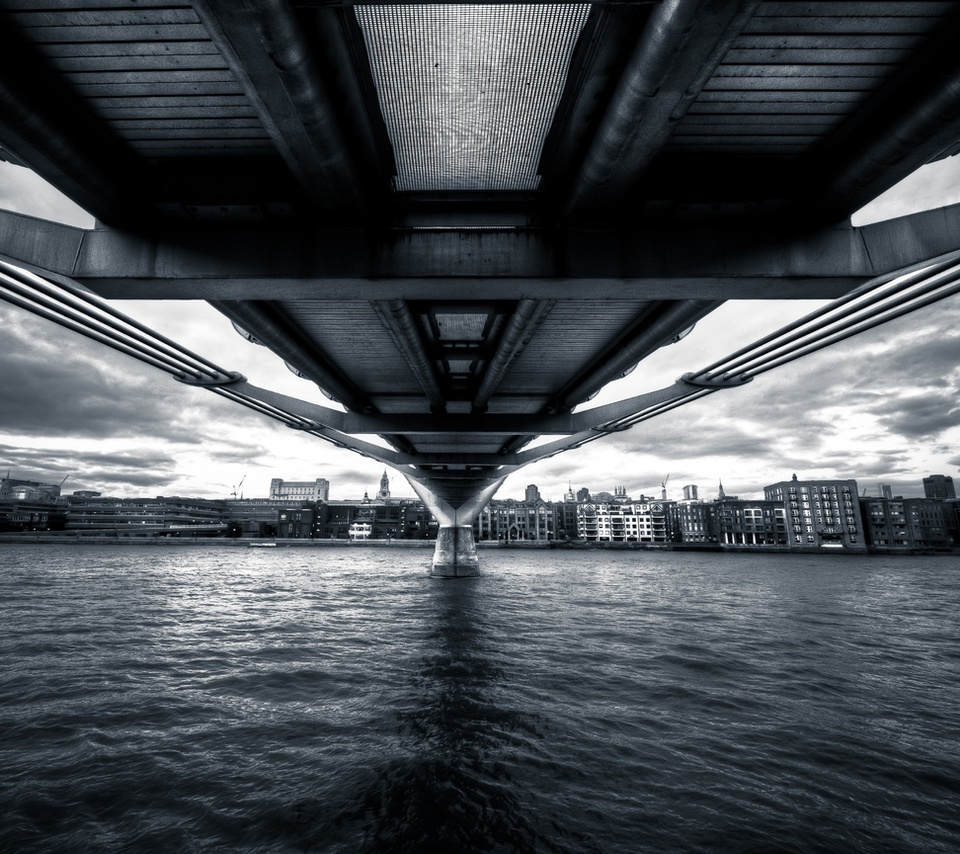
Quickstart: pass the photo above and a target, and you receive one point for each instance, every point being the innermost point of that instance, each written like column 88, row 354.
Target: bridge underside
column 462, row 222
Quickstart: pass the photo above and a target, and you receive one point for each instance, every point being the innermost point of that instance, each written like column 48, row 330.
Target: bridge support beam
column 455, row 555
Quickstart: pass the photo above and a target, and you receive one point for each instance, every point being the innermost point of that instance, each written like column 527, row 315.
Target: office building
column 306, row 490
column 820, row 513
column 939, row 486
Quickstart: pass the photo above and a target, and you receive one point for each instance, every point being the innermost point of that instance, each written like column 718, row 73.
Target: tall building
column 531, row 493
column 300, row 490
column 384, row 492
column 690, row 492
column 939, row 486
column 820, row 513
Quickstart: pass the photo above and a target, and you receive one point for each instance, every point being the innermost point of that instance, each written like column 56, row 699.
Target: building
column 690, row 492
column 12, row 489
column 297, row 523
column 906, row 523
column 820, row 513
column 567, row 518
column 29, row 505
column 299, row 490
column 257, row 517
column 384, row 492
column 694, row 522
column 746, row 522
column 531, row 493
column 133, row 515
column 387, row 520
column 512, row 520
column 625, row 523
column 939, row 486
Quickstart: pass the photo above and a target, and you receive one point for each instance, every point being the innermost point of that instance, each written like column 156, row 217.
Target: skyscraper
column 939, row 486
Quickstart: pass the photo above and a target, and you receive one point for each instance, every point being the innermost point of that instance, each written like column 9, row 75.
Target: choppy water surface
column 245, row 700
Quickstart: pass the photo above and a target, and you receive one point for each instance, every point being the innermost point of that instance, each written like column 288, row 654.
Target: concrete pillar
column 455, row 555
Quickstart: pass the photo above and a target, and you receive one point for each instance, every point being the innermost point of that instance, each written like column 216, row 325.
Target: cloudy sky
column 883, row 408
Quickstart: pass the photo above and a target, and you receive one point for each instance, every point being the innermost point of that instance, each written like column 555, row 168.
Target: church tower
column 384, row 492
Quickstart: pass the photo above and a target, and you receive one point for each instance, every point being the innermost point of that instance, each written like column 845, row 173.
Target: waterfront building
column 820, row 513
column 300, row 490
column 13, row 489
column 750, row 522
column 387, row 520
column 257, row 517
column 298, row 523
column 361, row 528
column 29, row 505
column 906, row 523
column 131, row 514
column 24, row 515
column 939, row 486
column 509, row 519
column 624, row 523
column 694, row 522
column 567, row 518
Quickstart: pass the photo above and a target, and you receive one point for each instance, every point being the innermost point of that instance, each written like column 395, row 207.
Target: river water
column 269, row 700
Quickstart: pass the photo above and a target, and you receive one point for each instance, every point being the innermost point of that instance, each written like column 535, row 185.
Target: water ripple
column 340, row 700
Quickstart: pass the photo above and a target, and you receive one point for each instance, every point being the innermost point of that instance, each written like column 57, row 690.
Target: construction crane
column 663, row 488
column 234, row 493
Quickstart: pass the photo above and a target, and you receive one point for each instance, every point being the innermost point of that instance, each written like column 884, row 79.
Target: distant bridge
column 461, row 239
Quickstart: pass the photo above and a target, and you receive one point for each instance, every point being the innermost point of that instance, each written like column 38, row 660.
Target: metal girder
column 522, row 324
column 265, row 47
column 645, row 336
column 413, row 424
column 681, row 45
column 696, row 263
column 400, row 323
column 267, row 323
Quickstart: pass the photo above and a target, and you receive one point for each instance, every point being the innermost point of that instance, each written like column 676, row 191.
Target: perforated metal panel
column 468, row 92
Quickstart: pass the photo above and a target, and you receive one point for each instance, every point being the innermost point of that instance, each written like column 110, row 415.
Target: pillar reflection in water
column 452, row 788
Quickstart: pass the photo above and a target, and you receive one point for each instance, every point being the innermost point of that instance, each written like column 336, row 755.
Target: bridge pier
column 455, row 555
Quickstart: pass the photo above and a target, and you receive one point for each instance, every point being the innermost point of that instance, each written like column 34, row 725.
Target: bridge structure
column 462, row 221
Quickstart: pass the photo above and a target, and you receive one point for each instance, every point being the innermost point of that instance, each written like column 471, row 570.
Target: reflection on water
column 451, row 788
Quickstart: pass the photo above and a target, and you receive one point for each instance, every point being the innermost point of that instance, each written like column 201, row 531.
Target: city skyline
column 881, row 407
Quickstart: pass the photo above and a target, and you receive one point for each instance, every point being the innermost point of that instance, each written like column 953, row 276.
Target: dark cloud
column 60, row 385
column 922, row 416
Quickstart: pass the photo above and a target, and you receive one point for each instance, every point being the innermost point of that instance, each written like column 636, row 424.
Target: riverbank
column 82, row 539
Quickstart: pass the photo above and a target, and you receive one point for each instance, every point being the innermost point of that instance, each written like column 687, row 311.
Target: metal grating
column 468, row 92
column 461, row 327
